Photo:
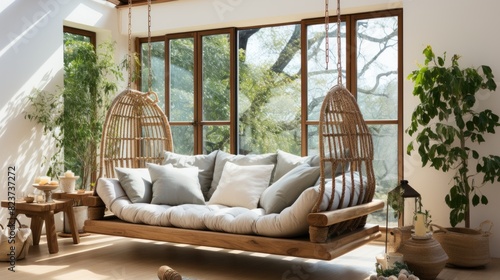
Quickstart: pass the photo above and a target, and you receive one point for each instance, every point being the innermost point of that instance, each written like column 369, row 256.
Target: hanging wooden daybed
column 331, row 233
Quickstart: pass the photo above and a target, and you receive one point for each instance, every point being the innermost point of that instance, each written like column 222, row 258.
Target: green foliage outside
column 269, row 85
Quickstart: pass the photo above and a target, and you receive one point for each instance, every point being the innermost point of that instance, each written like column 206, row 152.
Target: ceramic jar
column 424, row 256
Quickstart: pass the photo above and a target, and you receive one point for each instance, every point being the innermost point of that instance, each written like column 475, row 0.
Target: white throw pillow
column 136, row 183
column 241, row 186
column 175, row 186
column 251, row 159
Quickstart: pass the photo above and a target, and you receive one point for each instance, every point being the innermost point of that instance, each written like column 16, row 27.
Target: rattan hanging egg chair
column 344, row 142
column 136, row 131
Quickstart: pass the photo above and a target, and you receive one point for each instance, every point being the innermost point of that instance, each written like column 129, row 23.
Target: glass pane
column 320, row 79
column 216, row 70
column 183, row 139
column 77, row 37
column 377, row 66
column 269, row 89
column 158, row 70
column 182, row 79
column 216, row 137
column 385, row 164
column 312, row 140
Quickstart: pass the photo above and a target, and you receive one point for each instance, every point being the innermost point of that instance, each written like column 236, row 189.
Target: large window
column 72, row 159
column 256, row 90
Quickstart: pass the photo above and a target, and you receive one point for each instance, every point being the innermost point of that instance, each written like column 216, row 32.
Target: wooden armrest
column 92, row 201
column 326, row 218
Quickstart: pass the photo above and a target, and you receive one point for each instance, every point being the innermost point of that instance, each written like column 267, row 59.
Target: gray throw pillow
column 205, row 164
column 136, row 183
column 286, row 162
column 175, row 186
column 288, row 188
column 341, row 168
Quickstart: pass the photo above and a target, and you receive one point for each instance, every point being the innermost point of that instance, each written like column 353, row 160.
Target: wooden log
column 318, row 234
column 96, row 212
column 326, row 218
column 92, row 201
column 165, row 272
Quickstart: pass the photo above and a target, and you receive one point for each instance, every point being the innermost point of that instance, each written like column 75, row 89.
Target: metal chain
column 327, row 39
column 150, row 71
column 129, row 55
column 339, row 49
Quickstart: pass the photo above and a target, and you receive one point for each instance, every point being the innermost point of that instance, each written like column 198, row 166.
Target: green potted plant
column 447, row 129
column 74, row 115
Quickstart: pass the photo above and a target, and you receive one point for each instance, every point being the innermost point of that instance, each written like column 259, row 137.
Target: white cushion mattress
column 290, row 222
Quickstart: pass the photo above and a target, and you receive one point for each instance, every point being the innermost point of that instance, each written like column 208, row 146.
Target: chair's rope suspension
column 339, row 48
column 150, row 71
column 339, row 41
column 327, row 39
column 129, row 55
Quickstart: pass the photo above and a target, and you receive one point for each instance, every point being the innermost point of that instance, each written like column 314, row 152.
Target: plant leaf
column 475, row 200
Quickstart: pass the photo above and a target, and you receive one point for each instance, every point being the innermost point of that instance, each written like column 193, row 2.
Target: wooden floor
column 107, row 257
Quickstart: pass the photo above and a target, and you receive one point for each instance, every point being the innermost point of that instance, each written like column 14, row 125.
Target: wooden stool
column 44, row 212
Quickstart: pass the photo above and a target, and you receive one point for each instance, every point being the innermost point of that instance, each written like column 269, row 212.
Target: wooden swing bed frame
column 136, row 131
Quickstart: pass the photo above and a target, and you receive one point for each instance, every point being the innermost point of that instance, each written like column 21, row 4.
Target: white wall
column 31, row 57
column 470, row 29
column 189, row 15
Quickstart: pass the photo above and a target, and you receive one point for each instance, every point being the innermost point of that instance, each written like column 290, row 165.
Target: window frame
column 198, row 123
column 350, row 81
column 91, row 34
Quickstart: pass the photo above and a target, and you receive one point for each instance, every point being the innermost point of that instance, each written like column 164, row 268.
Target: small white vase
column 68, row 183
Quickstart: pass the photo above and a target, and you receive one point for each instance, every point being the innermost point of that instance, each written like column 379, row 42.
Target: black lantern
column 396, row 199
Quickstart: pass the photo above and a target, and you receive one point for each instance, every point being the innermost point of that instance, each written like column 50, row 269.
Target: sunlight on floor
column 40, row 270
column 103, row 257
column 81, row 274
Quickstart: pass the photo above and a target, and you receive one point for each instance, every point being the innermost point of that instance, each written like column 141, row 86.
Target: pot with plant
column 447, row 129
column 74, row 115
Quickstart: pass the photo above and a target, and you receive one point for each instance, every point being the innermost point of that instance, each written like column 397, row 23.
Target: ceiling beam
column 124, row 3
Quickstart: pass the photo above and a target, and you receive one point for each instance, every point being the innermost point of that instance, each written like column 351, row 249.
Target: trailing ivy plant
column 447, row 128
column 90, row 79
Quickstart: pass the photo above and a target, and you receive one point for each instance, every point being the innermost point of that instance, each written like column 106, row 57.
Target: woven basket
column 23, row 240
column 465, row 247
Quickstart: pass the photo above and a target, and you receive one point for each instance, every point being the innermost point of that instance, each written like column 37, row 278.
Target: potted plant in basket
column 447, row 128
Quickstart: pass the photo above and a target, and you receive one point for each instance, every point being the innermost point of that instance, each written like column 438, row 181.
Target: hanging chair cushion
column 341, row 168
column 287, row 161
column 175, row 186
column 136, row 182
